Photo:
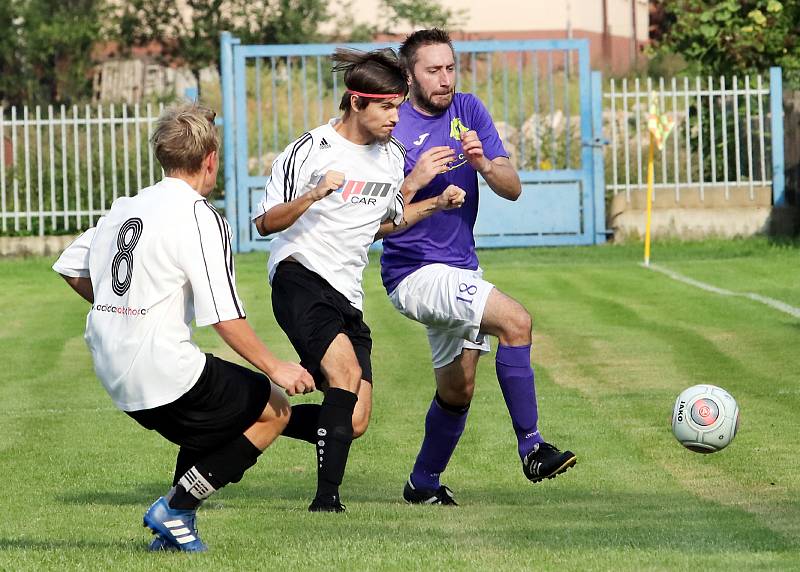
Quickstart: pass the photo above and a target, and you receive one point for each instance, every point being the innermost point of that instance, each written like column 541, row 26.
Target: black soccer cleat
column 545, row 462
column 326, row 503
column 442, row 495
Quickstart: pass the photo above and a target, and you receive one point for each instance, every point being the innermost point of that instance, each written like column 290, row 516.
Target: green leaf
column 773, row 6
column 758, row 17
column 708, row 30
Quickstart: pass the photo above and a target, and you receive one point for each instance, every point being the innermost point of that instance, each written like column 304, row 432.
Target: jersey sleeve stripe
column 310, row 147
column 227, row 256
column 205, row 263
column 289, row 182
column 399, row 147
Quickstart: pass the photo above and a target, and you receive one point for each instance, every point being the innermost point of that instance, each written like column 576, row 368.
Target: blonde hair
column 184, row 136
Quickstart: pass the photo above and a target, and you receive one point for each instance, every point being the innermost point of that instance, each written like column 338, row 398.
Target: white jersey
column 333, row 236
column 157, row 261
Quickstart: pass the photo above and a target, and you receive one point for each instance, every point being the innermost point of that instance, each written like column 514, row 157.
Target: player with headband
column 332, row 192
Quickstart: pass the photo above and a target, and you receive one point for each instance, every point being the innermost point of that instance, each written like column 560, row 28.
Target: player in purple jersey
column 431, row 271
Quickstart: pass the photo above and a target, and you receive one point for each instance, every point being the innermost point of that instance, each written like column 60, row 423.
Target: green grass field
column 614, row 345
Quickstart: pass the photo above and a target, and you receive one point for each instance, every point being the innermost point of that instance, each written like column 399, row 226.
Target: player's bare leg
column 272, row 422
column 507, row 319
column 363, row 409
column 455, row 382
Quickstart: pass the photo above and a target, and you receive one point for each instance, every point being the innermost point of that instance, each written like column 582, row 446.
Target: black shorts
column 313, row 313
column 226, row 400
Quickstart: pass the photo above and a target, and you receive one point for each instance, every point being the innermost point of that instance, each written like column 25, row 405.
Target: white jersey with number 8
column 157, row 262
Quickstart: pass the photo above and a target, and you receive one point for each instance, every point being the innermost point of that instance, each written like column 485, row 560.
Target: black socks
column 212, row 472
column 334, row 434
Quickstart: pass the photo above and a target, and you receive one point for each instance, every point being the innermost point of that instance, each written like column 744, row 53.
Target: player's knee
column 458, row 396
column 461, row 398
column 360, row 425
column 518, row 326
column 347, row 376
column 278, row 410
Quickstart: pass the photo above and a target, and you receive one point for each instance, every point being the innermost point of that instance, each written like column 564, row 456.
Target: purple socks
column 444, row 425
column 515, row 374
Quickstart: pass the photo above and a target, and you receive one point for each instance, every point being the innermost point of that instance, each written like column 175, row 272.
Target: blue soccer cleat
column 160, row 544
column 175, row 527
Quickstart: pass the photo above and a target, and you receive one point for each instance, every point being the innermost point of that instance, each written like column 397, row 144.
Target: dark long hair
column 376, row 72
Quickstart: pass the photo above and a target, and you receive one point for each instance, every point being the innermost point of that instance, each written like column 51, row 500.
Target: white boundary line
column 771, row 302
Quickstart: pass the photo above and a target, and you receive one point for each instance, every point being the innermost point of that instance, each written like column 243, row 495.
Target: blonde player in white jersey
column 331, row 193
column 156, row 262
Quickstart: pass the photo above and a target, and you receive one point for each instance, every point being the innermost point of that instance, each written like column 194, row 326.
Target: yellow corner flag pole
column 659, row 126
column 649, row 201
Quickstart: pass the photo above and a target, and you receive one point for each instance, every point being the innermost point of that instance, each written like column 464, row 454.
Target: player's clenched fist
column 451, row 198
column 473, row 150
column 293, row 378
column 329, row 182
column 432, row 162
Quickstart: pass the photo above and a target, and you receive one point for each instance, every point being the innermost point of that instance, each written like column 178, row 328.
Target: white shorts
column 449, row 302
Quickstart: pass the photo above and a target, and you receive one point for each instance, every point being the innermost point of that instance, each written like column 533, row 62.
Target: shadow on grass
column 540, row 516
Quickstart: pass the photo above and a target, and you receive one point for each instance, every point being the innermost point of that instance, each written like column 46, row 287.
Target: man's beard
column 426, row 103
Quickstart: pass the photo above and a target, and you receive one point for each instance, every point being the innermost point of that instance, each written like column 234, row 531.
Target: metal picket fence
column 531, row 89
column 61, row 168
column 539, row 93
column 728, row 134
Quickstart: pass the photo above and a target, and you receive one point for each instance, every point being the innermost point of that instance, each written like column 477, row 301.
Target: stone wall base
column 696, row 217
column 34, row 245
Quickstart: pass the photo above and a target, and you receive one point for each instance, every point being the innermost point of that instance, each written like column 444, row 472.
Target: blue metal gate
column 544, row 100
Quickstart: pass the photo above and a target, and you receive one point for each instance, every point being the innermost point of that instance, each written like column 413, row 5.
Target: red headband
column 375, row 95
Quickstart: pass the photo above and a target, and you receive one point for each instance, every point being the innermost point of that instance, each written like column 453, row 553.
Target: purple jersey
column 446, row 237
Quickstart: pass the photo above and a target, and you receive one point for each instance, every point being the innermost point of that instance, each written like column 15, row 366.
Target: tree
column 46, row 47
column 418, row 14
column 396, row 15
column 288, row 22
column 9, row 48
column 191, row 36
column 730, row 37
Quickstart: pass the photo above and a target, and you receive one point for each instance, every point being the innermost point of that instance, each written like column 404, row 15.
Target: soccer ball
column 705, row 418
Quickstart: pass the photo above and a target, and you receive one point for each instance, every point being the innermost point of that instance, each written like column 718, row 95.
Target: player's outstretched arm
column 282, row 216
column 243, row 340
column 432, row 162
column 450, row 198
column 499, row 173
column 83, row 286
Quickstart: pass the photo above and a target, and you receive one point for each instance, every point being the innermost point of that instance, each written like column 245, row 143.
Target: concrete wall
column 34, row 245
column 696, row 218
